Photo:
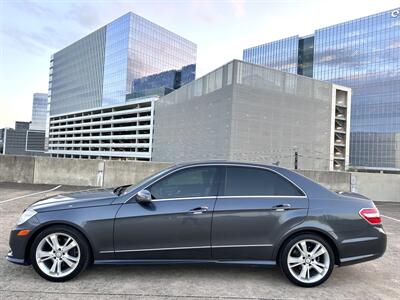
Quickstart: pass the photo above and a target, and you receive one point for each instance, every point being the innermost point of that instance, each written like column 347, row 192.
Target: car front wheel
column 59, row 253
column 307, row 260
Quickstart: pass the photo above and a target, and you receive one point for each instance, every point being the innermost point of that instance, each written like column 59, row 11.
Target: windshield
column 149, row 178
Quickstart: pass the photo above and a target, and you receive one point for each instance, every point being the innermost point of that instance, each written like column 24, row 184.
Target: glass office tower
column 99, row 69
column 280, row 55
column 363, row 54
column 39, row 112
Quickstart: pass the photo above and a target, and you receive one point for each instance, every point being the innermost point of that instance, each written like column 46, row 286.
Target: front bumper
column 18, row 244
column 19, row 261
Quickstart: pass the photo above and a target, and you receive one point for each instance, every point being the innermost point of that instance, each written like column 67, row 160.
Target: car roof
column 225, row 163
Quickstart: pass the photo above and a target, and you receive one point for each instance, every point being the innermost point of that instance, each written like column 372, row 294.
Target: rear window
column 244, row 181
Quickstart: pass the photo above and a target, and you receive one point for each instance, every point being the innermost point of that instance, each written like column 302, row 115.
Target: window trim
column 218, row 174
column 222, row 179
column 223, row 196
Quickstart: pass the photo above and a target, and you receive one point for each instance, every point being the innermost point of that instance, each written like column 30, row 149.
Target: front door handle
column 198, row 210
column 281, row 207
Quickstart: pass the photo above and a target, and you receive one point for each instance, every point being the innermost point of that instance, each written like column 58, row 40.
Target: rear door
column 255, row 206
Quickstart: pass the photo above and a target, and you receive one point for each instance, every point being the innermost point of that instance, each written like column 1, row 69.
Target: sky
column 30, row 31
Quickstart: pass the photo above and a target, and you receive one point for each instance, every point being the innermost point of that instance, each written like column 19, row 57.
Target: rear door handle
column 281, row 207
column 198, row 210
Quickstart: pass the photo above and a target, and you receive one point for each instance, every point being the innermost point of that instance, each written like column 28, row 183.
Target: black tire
column 283, row 259
column 85, row 253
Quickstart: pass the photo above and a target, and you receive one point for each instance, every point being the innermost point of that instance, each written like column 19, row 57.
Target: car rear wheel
column 307, row 260
column 59, row 253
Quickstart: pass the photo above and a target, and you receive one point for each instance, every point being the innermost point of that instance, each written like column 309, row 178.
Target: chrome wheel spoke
column 303, row 246
column 50, row 243
column 70, row 260
column 54, row 240
column 318, row 268
column 316, row 248
column 301, row 250
column 303, row 272
column 44, row 255
column 53, row 266
column 295, row 261
column 59, row 267
column 66, row 243
column 319, row 253
column 66, row 248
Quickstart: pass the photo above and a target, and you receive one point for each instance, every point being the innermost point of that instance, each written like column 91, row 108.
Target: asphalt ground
column 378, row 279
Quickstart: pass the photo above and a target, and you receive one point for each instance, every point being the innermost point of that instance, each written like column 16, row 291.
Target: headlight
column 26, row 215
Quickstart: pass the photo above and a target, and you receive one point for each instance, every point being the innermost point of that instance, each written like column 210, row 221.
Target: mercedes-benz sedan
column 212, row 212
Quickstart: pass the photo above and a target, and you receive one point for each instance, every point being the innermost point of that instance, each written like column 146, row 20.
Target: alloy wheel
column 58, row 254
column 308, row 261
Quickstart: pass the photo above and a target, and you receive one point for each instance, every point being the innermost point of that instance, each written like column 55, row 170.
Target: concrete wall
column 380, row 187
column 129, row 172
column 339, row 181
column 68, row 171
column 82, row 172
column 194, row 122
column 275, row 114
column 245, row 112
column 16, row 168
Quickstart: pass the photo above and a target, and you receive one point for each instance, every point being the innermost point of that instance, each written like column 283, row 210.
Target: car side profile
column 208, row 212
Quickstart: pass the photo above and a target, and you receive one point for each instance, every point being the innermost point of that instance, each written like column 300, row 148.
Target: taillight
column 371, row 215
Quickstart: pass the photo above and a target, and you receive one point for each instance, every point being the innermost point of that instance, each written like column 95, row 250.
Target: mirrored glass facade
column 39, row 112
column 280, row 55
column 101, row 68
column 363, row 54
column 116, row 61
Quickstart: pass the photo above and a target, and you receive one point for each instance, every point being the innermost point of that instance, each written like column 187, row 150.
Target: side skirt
column 183, row 261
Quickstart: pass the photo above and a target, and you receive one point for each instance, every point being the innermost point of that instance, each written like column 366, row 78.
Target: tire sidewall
column 285, row 252
column 83, row 247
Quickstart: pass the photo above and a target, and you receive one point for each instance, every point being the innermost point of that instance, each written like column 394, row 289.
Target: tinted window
column 242, row 181
column 193, row 182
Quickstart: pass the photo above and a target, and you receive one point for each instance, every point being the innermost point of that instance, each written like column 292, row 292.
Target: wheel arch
column 323, row 234
column 51, row 224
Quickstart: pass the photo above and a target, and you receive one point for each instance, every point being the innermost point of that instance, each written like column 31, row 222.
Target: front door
column 255, row 208
column 176, row 224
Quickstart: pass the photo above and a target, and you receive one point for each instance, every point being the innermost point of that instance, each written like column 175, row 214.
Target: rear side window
column 244, row 181
column 192, row 182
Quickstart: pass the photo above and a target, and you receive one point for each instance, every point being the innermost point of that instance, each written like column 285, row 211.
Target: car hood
column 94, row 197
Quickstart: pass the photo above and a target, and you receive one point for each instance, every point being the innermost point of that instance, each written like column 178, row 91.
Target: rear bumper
column 363, row 249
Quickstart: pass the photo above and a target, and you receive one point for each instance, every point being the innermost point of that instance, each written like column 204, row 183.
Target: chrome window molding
column 227, row 165
column 184, row 198
column 260, row 196
column 225, row 197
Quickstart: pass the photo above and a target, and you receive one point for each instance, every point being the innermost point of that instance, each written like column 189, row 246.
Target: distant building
column 100, row 69
column 21, row 140
column 240, row 111
column 120, row 131
column 363, row 54
column 247, row 112
column 39, row 112
column 162, row 83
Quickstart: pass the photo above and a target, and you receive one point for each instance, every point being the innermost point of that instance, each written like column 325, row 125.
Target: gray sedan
column 211, row 212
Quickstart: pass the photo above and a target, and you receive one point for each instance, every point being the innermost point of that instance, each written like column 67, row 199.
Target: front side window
column 193, row 182
column 244, row 181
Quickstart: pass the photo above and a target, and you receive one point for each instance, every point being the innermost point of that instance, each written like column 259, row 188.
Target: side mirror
column 143, row 197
